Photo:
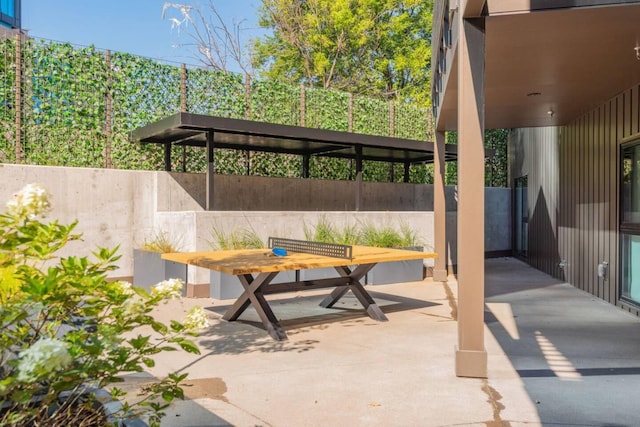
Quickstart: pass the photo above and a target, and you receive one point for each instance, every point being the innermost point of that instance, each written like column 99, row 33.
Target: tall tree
column 371, row 47
column 218, row 44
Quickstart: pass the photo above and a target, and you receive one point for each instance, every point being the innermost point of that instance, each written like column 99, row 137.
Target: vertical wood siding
column 573, row 173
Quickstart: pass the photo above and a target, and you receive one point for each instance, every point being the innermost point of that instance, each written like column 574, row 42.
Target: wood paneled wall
column 573, row 174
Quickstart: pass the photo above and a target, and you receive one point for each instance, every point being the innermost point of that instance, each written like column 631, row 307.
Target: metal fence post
column 392, row 118
column 350, row 112
column 107, row 123
column 430, row 125
column 18, row 99
column 183, row 88
column 350, row 129
column 183, row 108
column 247, row 116
column 247, row 97
column 303, row 106
column 392, row 132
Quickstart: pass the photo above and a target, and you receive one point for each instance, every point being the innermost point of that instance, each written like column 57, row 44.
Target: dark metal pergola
column 211, row 132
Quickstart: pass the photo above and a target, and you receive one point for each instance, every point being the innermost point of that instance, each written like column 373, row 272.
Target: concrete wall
column 125, row 208
column 111, row 205
column 497, row 223
column 257, row 193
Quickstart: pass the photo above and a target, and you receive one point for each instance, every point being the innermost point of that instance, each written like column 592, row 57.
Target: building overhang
column 547, row 62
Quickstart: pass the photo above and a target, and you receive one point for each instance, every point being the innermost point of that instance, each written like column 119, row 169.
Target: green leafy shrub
column 67, row 330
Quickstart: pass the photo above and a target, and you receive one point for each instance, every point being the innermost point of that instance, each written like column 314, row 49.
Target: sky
column 133, row 26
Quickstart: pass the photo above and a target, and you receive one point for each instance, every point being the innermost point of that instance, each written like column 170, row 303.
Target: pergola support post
column 440, row 272
column 210, row 169
column 167, row 156
column 358, row 177
column 306, row 164
column 471, row 355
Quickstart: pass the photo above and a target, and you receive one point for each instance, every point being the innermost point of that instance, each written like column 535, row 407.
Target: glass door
column 630, row 223
column 521, row 217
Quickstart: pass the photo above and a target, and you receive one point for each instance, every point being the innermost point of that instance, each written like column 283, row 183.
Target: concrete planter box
column 382, row 274
column 318, row 273
column 149, row 269
column 397, row 271
column 227, row 286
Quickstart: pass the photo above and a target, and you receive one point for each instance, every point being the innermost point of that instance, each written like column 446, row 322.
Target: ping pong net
column 316, row 248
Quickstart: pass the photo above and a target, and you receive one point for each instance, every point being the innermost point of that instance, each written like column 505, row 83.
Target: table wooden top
column 249, row 261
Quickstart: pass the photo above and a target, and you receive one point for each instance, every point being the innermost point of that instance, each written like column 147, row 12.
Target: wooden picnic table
column 256, row 268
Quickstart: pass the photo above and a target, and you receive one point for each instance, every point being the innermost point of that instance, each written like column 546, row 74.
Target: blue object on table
column 279, row 251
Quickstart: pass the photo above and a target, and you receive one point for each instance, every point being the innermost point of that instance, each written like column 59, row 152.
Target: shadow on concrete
column 212, row 388
column 503, row 276
column 543, row 238
column 576, row 355
column 296, row 314
column 193, row 185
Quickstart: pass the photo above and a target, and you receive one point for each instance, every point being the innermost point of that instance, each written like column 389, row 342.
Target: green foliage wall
column 64, row 111
column 142, row 91
column 495, row 174
column 7, row 101
column 80, row 104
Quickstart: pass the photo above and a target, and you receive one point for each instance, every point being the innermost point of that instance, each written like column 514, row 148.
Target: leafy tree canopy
column 370, row 47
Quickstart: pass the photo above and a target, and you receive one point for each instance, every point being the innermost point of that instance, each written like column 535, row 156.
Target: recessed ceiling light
column 534, row 94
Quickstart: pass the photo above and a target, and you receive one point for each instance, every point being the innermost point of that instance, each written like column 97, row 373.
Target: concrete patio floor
column 557, row 357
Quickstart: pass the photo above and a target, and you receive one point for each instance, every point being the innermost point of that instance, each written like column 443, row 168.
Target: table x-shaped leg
column 253, row 295
column 358, row 290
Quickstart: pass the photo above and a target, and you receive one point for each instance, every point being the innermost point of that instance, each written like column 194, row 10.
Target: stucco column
column 439, row 211
column 471, row 356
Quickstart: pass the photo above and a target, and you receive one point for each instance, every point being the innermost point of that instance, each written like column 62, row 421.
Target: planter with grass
column 324, row 231
column 369, row 235
column 395, row 271
column 150, row 269
column 228, row 286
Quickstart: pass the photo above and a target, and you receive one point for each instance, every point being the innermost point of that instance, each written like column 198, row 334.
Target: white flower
column 31, row 201
column 133, row 307
column 111, row 341
column 171, row 288
column 196, row 319
column 124, row 287
column 45, row 356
